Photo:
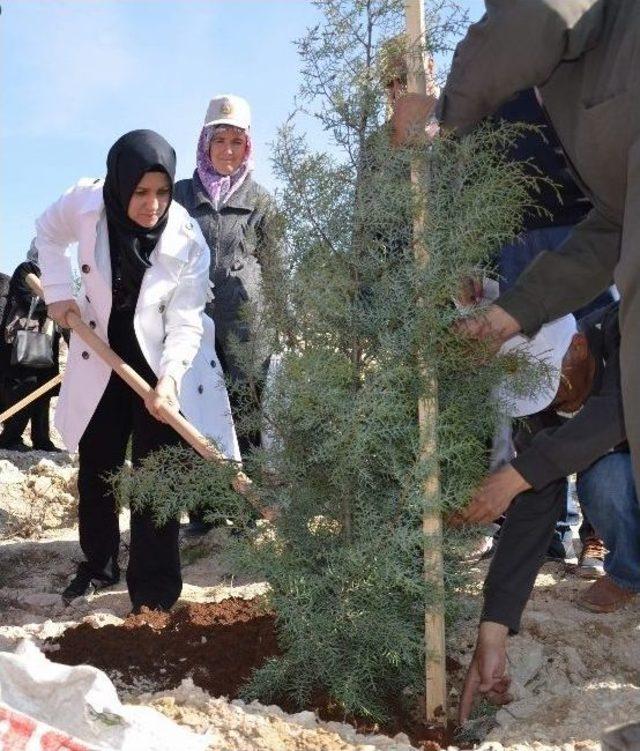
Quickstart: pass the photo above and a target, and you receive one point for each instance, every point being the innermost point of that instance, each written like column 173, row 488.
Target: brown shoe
column 604, row 596
column 591, row 559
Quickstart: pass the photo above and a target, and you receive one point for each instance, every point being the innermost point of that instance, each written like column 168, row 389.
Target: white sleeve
column 56, row 230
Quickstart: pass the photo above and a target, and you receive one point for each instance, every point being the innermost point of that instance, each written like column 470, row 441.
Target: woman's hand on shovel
column 58, row 312
column 164, row 395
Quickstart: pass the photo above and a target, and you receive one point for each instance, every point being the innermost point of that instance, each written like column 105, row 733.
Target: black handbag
column 31, row 347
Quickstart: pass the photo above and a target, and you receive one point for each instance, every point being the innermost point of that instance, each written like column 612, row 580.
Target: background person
column 584, row 58
column 236, row 217
column 576, row 424
column 18, row 381
column 145, row 280
column 558, row 205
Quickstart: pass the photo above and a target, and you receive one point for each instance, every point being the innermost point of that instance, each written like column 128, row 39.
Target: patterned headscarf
column 220, row 187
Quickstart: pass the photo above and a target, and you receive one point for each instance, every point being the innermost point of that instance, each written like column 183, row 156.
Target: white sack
column 83, row 702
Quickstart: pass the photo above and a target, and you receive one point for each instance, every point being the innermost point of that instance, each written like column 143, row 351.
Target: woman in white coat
column 145, row 281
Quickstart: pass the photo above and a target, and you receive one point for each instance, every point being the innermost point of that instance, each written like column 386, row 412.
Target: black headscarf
column 129, row 159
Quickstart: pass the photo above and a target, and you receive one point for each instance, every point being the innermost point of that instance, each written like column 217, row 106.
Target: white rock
column 306, row 719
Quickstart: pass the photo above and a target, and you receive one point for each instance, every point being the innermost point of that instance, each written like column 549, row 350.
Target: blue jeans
column 515, row 257
column 607, row 492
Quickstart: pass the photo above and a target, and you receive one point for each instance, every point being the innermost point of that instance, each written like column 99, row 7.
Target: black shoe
column 14, row 446
column 86, row 583
column 46, row 446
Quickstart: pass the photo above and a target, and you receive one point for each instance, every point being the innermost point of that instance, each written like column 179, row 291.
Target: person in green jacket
column 583, row 57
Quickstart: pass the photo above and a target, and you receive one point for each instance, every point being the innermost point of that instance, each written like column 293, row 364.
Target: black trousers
column 153, row 574
column 14, row 390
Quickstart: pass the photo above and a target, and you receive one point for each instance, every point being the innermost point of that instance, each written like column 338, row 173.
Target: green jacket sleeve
column 516, row 45
column 558, row 282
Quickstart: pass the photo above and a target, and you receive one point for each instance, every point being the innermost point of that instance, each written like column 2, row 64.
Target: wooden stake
column 435, row 673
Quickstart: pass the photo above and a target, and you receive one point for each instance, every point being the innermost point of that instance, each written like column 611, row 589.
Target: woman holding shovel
column 145, row 281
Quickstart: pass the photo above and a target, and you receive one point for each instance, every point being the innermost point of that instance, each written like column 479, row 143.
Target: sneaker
column 560, row 548
column 86, row 583
column 591, row 560
column 487, row 548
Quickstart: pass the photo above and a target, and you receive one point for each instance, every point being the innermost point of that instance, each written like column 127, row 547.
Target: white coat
column 174, row 334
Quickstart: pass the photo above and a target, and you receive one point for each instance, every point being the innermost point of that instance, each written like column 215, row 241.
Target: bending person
column 145, row 281
column 574, row 424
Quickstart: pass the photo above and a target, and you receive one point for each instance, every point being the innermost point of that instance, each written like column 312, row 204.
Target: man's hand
column 493, row 497
column 411, row 113
column 493, row 324
column 164, row 395
column 487, row 671
column 58, row 312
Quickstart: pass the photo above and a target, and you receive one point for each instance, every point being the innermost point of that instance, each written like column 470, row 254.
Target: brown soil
column 218, row 645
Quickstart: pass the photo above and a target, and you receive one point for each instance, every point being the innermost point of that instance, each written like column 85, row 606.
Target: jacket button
column 85, row 268
column 188, row 225
column 162, row 308
column 237, row 266
column 213, row 363
column 200, row 389
column 85, row 355
column 92, row 324
column 185, row 363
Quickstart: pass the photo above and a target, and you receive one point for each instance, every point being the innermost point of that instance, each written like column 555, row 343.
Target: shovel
column 241, row 483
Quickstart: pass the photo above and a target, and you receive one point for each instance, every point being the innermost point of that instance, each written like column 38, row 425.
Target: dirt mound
column 217, row 646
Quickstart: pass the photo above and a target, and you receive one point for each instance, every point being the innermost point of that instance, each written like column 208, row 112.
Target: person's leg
column 14, row 427
column 608, row 493
column 102, row 450
column 153, row 575
column 40, row 424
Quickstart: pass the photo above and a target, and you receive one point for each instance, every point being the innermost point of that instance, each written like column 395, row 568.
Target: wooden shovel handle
column 183, row 427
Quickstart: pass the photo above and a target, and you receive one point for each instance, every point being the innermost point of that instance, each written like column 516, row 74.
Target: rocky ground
column 574, row 673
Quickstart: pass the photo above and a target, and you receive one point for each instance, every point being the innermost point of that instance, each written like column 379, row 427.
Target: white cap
column 228, row 109
column 548, row 346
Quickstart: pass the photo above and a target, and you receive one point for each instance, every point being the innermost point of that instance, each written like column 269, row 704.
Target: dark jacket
column 19, row 297
column 540, row 152
column 550, row 448
column 241, row 239
column 584, row 55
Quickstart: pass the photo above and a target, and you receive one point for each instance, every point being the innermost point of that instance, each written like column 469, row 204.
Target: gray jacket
column 240, row 238
column 584, row 55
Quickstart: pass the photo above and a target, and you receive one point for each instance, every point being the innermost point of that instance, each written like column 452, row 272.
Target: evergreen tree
column 359, row 316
